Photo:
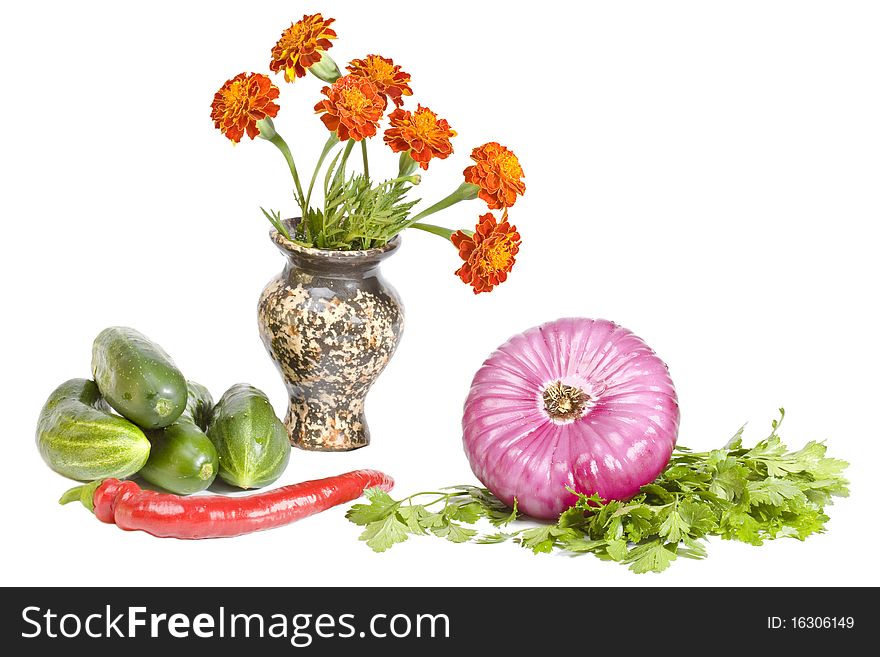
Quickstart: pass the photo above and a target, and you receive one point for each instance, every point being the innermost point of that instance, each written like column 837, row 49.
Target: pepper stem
column 84, row 494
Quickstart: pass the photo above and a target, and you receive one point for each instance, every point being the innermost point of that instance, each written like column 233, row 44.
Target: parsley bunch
column 748, row 495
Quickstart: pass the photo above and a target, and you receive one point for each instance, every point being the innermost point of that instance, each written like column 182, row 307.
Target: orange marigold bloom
column 391, row 82
column 489, row 254
column 421, row 133
column 498, row 175
column 353, row 108
column 241, row 102
column 301, row 45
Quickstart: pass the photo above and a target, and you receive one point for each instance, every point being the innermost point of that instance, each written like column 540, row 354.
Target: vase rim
column 330, row 254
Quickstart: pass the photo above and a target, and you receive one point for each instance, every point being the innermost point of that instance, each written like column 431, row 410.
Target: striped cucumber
column 79, row 440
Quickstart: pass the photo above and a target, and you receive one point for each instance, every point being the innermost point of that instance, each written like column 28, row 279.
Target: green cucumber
column 182, row 458
column 199, row 404
column 251, row 441
column 79, row 440
column 137, row 378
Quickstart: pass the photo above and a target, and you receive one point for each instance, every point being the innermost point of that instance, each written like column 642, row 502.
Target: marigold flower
column 353, row 108
column 391, row 82
column 489, row 255
column 241, row 102
column 301, row 45
column 421, row 133
column 498, row 175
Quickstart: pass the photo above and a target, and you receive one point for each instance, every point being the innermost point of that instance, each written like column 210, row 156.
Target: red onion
column 578, row 403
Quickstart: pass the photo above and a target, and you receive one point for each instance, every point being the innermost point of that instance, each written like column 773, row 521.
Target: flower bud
column 467, row 191
column 326, row 69
column 407, row 165
column 266, row 128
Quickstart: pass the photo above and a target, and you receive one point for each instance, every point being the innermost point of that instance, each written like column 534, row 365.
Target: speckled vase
column 331, row 323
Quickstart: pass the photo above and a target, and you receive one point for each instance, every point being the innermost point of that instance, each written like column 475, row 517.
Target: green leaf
column 274, row 217
column 692, row 548
column 674, row 527
column 677, row 472
column 654, row 557
column 638, row 524
column 750, row 495
column 617, row 549
column 699, row 517
column 735, row 441
column 731, row 481
column 659, row 492
column 573, row 517
column 581, row 545
column 500, row 517
column 738, row 524
column 491, row 539
column 469, row 513
column 458, row 534
column 432, row 521
column 772, row 491
column 538, row 539
column 381, row 504
column 382, row 534
column 416, row 518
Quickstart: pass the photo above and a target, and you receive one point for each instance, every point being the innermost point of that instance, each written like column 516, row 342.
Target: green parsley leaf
column 382, row 534
column 674, row 527
column 538, row 539
column 699, row 517
column 617, row 549
column 653, row 557
column 749, row 495
column 772, row 491
column 500, row 517
column 456, row 533
column 416, row 517
column 469, row 513
column 379, row 507
column 491, row 539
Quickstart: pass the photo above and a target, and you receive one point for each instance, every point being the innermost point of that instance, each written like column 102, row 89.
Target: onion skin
column 622, row 441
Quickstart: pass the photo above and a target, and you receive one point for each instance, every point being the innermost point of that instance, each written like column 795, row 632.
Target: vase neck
column 330, row 267
column 323, row 262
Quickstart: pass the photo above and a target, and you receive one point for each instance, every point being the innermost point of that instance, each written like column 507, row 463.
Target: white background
column 703, row 173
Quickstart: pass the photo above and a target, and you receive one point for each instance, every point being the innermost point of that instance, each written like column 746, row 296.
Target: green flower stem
column 435, row 230
column 412, row 180
column 331, row 142
column 348, row 146
column 465, row 192
column 288, row 156
column 366, row 161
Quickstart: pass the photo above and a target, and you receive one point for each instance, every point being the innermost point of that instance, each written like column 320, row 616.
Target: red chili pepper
column 128, row 506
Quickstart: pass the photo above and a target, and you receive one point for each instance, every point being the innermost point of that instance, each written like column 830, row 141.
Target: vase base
column 315, row 432
column 307, row 447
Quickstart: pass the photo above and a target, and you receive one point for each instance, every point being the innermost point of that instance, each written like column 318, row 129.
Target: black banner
column 320, row 621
